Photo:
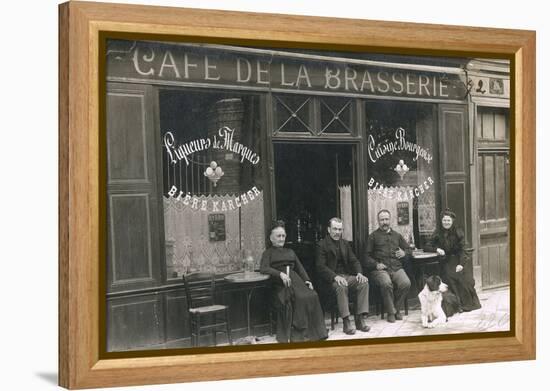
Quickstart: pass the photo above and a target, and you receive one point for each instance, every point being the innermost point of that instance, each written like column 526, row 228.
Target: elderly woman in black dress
column 299, row 313
column 448, row 242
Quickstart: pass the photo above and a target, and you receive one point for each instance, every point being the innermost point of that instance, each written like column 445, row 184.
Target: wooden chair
column 204, row 314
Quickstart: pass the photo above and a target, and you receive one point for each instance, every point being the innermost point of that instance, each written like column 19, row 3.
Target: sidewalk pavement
column 494, row 315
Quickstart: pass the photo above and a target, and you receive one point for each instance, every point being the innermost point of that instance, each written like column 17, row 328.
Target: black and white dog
column 436, row 303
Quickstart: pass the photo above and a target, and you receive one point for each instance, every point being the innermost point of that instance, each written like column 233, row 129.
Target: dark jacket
column 380, row 249
column 452, row 241
column 327, row 257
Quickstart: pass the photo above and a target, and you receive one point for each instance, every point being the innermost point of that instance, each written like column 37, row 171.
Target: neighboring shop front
column 206, row 145
column 489, row 105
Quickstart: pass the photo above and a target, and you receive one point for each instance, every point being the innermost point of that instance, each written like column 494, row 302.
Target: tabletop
column 246, row 277
column 424, row 254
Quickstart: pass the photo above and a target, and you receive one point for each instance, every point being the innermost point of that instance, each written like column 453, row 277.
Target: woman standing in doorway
column 448, row 242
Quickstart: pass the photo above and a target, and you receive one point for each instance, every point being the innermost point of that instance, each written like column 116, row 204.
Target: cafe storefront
column 207, row 144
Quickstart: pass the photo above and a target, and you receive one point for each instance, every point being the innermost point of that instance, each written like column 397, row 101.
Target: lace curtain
column 378, row 199
column 189, row 248
column 346, row 212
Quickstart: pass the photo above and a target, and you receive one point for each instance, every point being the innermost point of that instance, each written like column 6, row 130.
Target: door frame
column 357, row 164
column 360, row 165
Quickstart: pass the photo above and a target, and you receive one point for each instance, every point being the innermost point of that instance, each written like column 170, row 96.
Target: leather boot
column 361, row 322
column 348, row 327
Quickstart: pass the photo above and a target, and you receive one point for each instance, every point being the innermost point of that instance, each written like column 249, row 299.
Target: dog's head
column 435, row 284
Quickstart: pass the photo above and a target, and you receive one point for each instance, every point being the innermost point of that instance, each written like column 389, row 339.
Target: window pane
column 493, row 124
column 501, row 126
column 336, row 115
column 488, row 125
column 401, row 172
column 292, row 113
column 212, row 180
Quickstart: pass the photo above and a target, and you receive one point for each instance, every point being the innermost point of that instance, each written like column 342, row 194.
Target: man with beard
column 385, row 254
column 339, row 269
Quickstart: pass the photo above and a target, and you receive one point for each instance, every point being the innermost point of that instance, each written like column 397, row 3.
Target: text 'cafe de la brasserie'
column 282, row 73
column 207, row 144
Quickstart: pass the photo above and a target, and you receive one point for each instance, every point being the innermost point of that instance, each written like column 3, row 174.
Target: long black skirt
column 461, row 284
column 299, row 314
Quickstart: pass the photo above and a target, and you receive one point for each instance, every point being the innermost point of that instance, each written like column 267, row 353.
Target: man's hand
column 286, row 279
column 361, row 278
column 381, row 266
column 340, row 281
column 399, row 253
column 459, row 268
column 309, row 285
column 440, row 251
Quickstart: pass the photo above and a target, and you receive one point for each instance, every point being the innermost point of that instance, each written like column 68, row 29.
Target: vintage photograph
column 267, row 196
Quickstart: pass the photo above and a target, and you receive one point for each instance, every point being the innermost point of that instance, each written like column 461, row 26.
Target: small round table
column 421, row 259
column 249, row 279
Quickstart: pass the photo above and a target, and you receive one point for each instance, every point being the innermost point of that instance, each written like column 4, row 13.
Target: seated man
column 338, row 267
column 385, row 254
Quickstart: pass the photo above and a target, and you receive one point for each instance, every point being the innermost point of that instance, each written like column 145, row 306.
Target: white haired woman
column 299, row 313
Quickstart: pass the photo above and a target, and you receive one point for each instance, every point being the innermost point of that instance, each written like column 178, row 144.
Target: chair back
column 199, row 289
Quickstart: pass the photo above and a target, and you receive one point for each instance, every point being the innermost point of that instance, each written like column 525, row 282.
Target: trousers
column 394, row 288
column 361, row 289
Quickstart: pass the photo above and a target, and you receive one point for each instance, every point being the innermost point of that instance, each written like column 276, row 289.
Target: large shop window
column 402, row 168
column 212, row 180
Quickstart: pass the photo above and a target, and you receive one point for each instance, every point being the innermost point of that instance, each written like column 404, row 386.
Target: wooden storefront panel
column 130, row 255
column 177, row 323
column 133, row 242
column 134, row 252
column 134, row 322
column 455, row 187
